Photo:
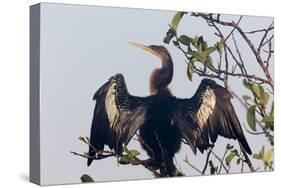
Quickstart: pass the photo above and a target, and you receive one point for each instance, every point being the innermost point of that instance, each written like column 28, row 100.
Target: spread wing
column 206, row 115
column 117, row 116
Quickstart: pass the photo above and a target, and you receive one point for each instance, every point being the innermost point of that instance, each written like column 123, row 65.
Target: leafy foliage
column 259, row 105
column 199, row 60
column 169, row 35
column 230, row 156
column 176, row 20
column 213, row 169
column 85, row 178
column 197, row 49
column 265, row 157
column 251, row 117
column 129, row 156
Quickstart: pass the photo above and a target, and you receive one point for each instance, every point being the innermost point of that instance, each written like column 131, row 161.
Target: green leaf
column 203, row 56
column 194, row 41
column 185, row 40
column 205, row 45
column 272, row 109
column 200, row 41
column 248, row 85
column 176, row 20
column 264, row 99
column 86, row 154
column 267, row 156
column 127, row 159
column 124, row 160
column 229, row 147
column 125, row 149
column 221, row 45
column 134, row 153
column 167, row 39
column 269, row 122
column 211, row 164
column 251, row 117
column 213, row 169
column 199, row 55
column 189, row 70
column 86, row 178
column 210, row 50
column 176, row 43
column 260, row 155
column 229, row 158
column 84, row 139
column 257, row 156
column 246, row 97
column 269, row 119
column 169, row 35
column 209, row 62
column 256, row 90
column 262, row 92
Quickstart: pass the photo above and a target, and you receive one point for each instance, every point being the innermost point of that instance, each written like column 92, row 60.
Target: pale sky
column 81, row 47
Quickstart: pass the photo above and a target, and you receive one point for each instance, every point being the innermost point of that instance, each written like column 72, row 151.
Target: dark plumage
column 162, row 120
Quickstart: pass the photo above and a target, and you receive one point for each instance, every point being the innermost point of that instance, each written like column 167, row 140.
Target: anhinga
column 163, row 121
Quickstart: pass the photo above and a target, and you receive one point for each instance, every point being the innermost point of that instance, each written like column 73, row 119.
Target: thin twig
column 236, row 24
column 247, row 159
column 258, row 31
column 194, row 167
column 207, row 160
column 221, row 162
column 99, row 157
column 105, row 154
column 255, row 51
column 264, row 37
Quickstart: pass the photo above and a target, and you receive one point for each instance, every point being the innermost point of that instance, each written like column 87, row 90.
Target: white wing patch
column 110, row 106
column 207, row 107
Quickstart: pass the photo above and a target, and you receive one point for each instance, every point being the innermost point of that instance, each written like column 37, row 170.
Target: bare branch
column 221, row 162
column 258, row 31
column 264, row 37
column 247, row 160
column 255, row 51
column 194, row 167
column 207, row 160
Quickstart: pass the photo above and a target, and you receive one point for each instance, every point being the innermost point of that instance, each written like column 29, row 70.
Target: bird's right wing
column 206, row 115
column 117, row 116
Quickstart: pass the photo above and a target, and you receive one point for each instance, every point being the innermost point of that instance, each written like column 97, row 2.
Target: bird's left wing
column 117, row 116
column 206, row 115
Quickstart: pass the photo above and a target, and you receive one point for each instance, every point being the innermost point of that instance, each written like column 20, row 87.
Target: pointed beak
column 144, row 47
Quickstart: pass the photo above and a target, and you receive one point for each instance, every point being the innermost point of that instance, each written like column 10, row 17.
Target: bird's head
column 157, row 50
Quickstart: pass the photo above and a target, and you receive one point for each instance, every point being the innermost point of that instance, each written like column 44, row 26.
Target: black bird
column 163, row 121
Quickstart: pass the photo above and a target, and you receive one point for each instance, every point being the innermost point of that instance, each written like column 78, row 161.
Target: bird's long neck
column 160, row 78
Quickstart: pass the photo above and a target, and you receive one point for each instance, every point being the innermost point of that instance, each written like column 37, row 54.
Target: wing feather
column 206, row 115
column 117, row 116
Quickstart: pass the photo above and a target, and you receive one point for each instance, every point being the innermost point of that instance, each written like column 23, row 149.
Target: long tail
column 171, row 169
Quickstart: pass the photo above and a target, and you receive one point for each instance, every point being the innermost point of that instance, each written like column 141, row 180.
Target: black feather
column 129, row 117
column 163, row 120
column 222, row 121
